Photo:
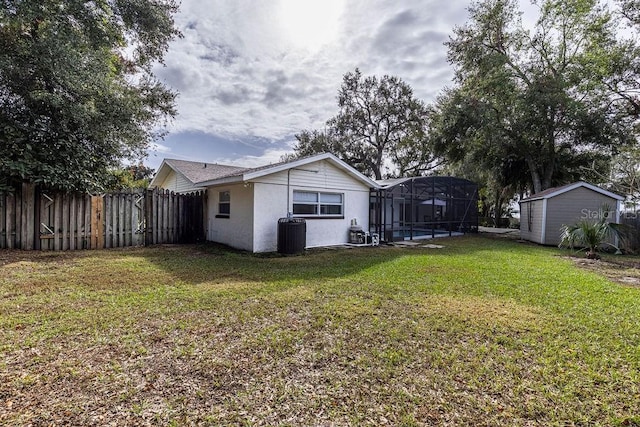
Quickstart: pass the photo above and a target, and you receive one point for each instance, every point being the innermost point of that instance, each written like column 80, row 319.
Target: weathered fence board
column 3, row 222
column 31, row 218
column 28, row 221
column 17, row 222
column 10, row 218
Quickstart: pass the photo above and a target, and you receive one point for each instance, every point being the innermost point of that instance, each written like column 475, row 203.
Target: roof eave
column 220, row 181
column 573, row 187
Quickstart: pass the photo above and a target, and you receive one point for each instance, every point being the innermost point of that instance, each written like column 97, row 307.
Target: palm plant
column 592, row 235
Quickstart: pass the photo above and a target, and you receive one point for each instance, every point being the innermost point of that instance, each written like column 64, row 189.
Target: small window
column 311, row 203
column 224, row 204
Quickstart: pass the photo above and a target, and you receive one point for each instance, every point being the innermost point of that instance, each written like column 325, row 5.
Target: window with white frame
column 224, row 204
column 316, row 203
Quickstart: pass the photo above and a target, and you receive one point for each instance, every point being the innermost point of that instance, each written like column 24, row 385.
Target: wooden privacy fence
column 632, row 221
column 31, row 218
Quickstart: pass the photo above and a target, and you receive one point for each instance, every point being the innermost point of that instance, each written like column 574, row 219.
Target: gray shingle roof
column 204, row 174
column 199, row 171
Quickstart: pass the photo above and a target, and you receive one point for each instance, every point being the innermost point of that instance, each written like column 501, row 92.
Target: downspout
column 289, row 213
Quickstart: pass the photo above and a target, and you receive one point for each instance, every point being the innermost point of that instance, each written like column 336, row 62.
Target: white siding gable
column 320, row 174
column 177, row 183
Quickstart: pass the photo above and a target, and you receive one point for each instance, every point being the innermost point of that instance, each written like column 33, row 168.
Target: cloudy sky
column 252, row 73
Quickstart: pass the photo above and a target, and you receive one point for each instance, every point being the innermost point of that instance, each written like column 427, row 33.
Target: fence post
column 37, row 218
column 148, row 217
column 97, row 226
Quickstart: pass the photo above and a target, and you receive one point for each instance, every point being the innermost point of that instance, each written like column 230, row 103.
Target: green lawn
column 482, row 332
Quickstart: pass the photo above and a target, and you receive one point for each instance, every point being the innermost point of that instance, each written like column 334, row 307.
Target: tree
column 630, row 9
column 380, row 124
column 77, row 92
column 535, row 100
column 478, row 150
column 625, row 174
column 130, row 177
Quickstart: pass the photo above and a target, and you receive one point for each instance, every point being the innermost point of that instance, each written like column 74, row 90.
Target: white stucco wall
column 270, row 205
column 237, row 230
column 271, row 199
column 326, row 232
column 257, row 205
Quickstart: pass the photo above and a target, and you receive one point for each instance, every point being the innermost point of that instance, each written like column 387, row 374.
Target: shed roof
column 556, row 191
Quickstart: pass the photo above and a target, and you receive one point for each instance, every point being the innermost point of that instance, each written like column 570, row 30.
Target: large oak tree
column 542, row 99
column 380, row 128
column 77, row 92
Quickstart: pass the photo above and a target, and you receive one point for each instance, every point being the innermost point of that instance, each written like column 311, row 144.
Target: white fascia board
column 161, row 172
column 164, row 166
column 285, row 166
column 592, row 187
column 605, row 192
column 229, row 180
column 574, row 186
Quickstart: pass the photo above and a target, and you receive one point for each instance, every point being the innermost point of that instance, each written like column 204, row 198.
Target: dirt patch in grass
column 622, row 270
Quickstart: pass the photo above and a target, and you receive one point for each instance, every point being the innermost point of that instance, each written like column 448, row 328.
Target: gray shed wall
column 573, row 206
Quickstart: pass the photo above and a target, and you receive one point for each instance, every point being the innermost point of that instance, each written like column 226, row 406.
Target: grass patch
column 482, row 332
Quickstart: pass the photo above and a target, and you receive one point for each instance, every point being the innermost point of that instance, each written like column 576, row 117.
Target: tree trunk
column 550, row 166
column 548, row 175
column 497, row 209
column 535, row 176
column 377, row 167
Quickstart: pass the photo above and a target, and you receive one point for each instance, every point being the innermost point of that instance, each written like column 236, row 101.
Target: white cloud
column 267, row 70
column 269, row 156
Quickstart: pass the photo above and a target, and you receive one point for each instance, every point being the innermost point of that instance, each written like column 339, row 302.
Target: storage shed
column 543, row 214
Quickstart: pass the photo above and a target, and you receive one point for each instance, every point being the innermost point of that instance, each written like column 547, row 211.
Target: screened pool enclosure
column 423, row 208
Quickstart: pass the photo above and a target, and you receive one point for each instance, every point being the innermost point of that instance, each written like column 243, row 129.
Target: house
column 543, row 214
column 244, row 204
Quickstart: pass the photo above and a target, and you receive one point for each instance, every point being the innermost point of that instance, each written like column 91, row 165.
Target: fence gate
column 63, row 221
